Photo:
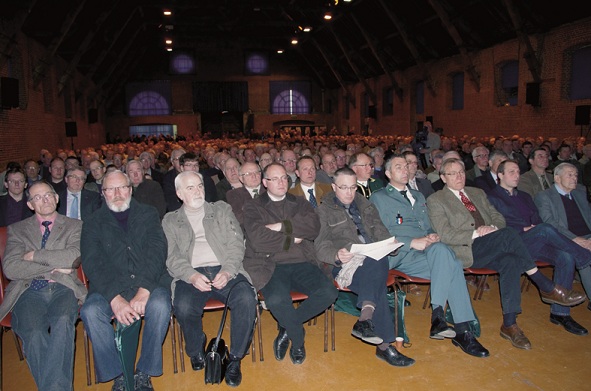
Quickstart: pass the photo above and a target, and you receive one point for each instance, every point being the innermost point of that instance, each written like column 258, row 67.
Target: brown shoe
column 562, row 296
column 515, row 335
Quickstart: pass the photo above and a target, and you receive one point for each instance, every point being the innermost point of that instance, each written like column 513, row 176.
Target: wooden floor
column 558, row 360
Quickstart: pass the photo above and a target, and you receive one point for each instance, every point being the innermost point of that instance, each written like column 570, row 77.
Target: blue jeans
column 439, row 264
column 50, row 354
column 545, row 243
column 369, row 283
column 97, row 316
column 305, row 278
column 188, row 309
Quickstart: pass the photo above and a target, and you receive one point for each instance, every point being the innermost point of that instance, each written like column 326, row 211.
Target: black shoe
column 281, row 344
column 469, row 344
column 142, row 382
column 297, row 355
column 569, row 324
column 118, row 383
column 198, row 361
column 364, row 330
column 233, row 374
column 440, row 330
column 394, row 357
column 406, row 303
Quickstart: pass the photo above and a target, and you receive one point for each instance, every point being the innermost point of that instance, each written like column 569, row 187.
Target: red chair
column 483, row 273
column 403, row 278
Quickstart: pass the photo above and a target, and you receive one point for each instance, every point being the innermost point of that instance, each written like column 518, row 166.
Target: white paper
column 377, row 250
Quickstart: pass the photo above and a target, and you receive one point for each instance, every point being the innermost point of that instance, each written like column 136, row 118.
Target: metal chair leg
column 172, row 327
column 87, row 359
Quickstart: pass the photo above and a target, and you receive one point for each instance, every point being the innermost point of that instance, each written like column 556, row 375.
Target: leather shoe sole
column 364, row 330
column 440, row 330
column 569, row 324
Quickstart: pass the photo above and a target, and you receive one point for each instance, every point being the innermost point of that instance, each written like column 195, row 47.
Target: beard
column 119, row 208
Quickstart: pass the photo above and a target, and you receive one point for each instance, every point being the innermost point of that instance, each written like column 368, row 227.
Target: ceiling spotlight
column 307, row 29
column 294, row 41
column 168, row 41
column 167, row 12
column 327, row 16
column 169, row 49
column 279, row 51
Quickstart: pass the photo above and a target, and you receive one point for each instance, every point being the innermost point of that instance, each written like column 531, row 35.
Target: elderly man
column 542, row 240
column 488, row 180
column 328, row 166
column 13, row 205
column 149, row 166
column 346, row 218
column 231, row 178
column 57, row 171
column 307, row 186
column 75, row 201
column 42, row 252
column 536, row 179
column 32, row 171
column 205, row 253
column 288, row 159
column 172, row 201
column 280, row 258
column 404, row 214
column 250, row 176
column 98, row 171
column 361, row 163
column 190, row 162
column 145, row 191
column 124, row 255
column 420, row 184
column 480, row 155
column 467, row 222
column 341, row 158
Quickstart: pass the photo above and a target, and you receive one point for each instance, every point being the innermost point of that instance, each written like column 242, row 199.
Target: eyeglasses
column 347, row 188
column 15, row 181
column 364, row 165
column 481, row 156
column 191, row 165
column 31, row 168
column 455, row 173
column 289, row 161
column 76, row 178
column 283, row 178
column 412, row 163
column 38, row 197
column 111, row 190
column 252, row 173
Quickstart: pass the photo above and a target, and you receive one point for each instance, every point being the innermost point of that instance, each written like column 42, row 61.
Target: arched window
column 148, row 103
column 182, row 63
column 290, row 102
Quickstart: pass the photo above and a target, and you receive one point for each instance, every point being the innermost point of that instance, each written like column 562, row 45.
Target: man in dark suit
column 145, row 191
column 250, row 176
column 77, row 202
column 149, row 165
column 231, row 179
column 419, row 184
column 13, row 205
column 306, row 185
column 44, row 307
column 467, row 222
column 488, row 180
column 542, row 240
column 172, row 201
column 57, row 171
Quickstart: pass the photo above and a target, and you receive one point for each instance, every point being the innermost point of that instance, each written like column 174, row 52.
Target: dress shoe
column 394, row 357
column 118, row 383
column 515, row 335
column 364, row 330
column 569, row 324
column 281, row 344
column 440, row 329
column 198, row 361
column 297, row 355
column 469, row 344
column 562, row 296
column 142, row 382
column 233, row 374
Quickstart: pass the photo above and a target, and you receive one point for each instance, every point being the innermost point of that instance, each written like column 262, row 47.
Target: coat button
column 132, row 276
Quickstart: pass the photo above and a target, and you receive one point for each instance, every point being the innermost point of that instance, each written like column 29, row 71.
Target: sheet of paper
column 376, row 250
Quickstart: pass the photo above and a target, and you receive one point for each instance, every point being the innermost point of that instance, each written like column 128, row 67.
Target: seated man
column 404, row 214
column 44, row 307
column 536, row 179
column 124, row 255
column 564, row 206
column 77, row 202
column 205, row 252
column 13, row 205
column 250, row 176
column 346, row 217
column 362, row 164
column 280, row 258
column 307, row 186
column 467, row 222
column 542, row 240
column 420, row 184
column 488, row 180
column 231, row 179
column 145, row 191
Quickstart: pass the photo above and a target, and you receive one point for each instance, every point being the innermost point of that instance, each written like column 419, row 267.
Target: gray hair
column 562, row 166
column 111, row 173
column 181, row 175
column 449, row 162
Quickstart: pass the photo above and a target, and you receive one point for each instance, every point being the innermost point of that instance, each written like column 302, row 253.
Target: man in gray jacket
column 42, row 253
column 205, row 253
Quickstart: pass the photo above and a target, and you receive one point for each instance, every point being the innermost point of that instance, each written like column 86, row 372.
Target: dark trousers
column 504, row 252
column 188, row 309
column 545, row 243
column 299, row 277
column 369, row 283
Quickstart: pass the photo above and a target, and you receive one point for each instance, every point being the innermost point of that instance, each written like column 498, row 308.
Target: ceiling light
column 167, row 12
column 168, row 41
column 307, row 29
column 294, row 41
column 169, row 49
column 279, row 51
column 328, row 16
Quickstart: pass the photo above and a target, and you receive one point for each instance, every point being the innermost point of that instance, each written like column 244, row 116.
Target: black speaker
column 92, row 116
column 372, row 112
column 8, row 92
column 71, row 129
column 582, row 114
column 532, row 94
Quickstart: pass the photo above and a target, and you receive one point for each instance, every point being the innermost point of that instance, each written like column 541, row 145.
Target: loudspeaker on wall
column 92, row 116
column 582, row 114
column 9, row 92
column 532, row 94
column 71, row 129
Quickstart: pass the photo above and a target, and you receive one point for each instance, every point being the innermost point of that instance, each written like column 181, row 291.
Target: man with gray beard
column 124, row 255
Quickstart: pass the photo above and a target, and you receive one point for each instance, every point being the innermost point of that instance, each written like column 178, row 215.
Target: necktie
column 312, row 198
column 545, row 184
column 403, row 192
column 40, row 284
column 467, row 203
column 255, row 193
column 356, row 217
column 74, row 207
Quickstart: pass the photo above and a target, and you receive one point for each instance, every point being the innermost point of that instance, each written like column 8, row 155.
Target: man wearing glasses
column 362, row 164
column 250, row 176
column 13, row 206
column 231, row 178
column 480, row 156
column 77, row 202
column 44, row 308
column 307, row 186
column 280, row 258
column 289, row 160
column 124, row 255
